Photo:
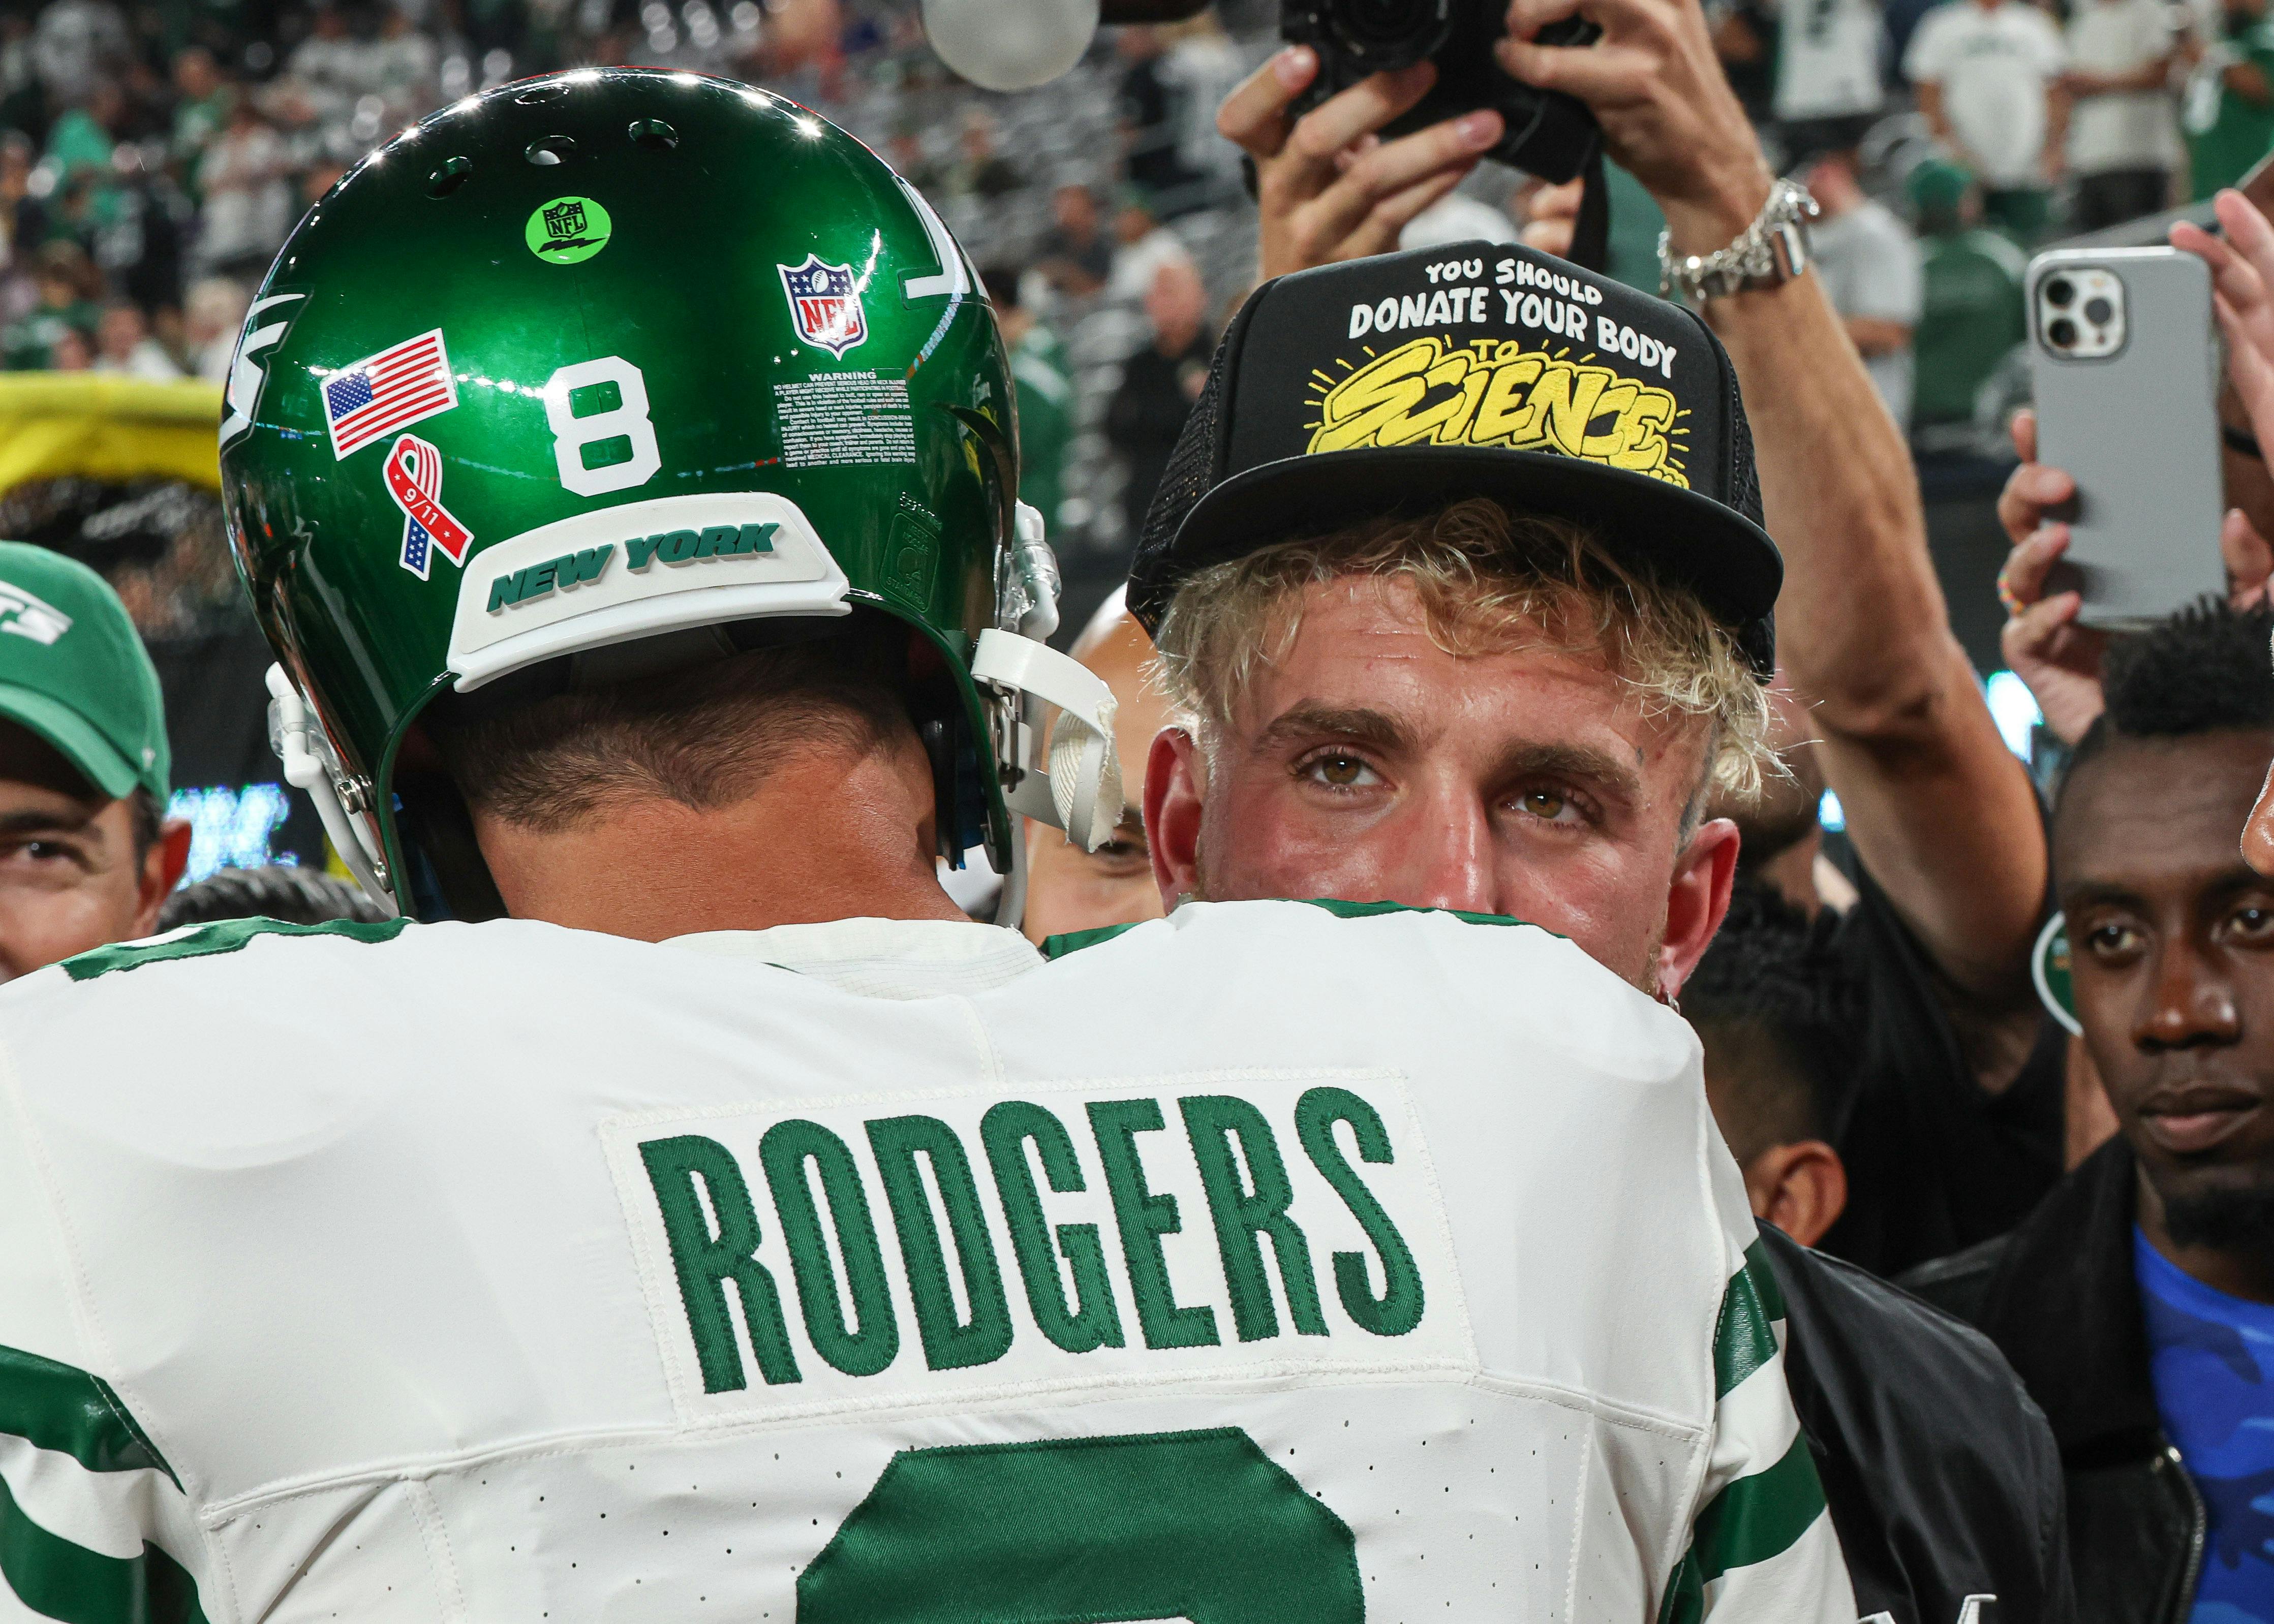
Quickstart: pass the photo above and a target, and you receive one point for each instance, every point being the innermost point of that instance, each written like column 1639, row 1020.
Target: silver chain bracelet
column 1767, row 253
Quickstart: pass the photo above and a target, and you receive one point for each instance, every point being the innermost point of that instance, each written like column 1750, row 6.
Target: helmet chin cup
column 311, row 765
column 1080, row 791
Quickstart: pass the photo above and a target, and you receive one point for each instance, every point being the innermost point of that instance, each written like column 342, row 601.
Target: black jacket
column 2059, row 1297
column 1941, row 1475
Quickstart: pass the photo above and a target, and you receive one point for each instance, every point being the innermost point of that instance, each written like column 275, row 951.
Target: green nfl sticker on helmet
column 566, row 230
column 673, row 450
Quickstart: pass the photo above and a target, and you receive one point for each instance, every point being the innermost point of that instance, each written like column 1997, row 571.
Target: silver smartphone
column 2125, row 363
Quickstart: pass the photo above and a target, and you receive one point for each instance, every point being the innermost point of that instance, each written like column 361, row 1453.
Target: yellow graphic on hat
column 1497, row 393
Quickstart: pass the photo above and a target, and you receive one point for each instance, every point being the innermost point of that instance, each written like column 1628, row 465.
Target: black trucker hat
column 1402, row 382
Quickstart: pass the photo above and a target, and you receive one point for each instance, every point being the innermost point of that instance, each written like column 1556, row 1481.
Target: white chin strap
column 309, row 765
column 1080, row 791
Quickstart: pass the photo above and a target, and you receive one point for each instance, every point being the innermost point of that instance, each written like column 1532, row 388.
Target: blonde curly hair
column 1489, row 582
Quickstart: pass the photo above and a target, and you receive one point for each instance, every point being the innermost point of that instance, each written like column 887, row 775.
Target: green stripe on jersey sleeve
column 1752, row 1521
column 53, row 1406
column 1758, row 1518
column 228, row 936
column 1744, row 1335
column 60, row 1580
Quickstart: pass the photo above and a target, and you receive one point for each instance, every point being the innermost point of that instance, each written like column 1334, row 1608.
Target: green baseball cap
column 73, row 670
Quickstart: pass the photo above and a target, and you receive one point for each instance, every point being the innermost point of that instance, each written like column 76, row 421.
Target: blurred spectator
column 1067, row 888
column 1745, row 39
column 201, row 105
column 403, row 65
column 66, row 284
column 980, row 170
column 1143, row 245
column 1988, row 75
column 1152, row 123
column 73, row 42
column 1777, row 1012
column 296, row 896
column 331, row 66
column 1077, row 251
column 79, row 149
column 2229, row 101
column 1972, row 312
column 1046, row 396
column 71, row 352
column 23, row 220
column 212, row 314
column 2121, row 133
column 1159, row 385
column 1869, row 266
column 248, row 198
column 1828, row 57
column 124, row 345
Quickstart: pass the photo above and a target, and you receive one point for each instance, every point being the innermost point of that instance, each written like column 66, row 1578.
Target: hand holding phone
column 2125, row 371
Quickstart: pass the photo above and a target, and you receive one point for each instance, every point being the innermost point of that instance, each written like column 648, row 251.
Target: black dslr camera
column 1549, row 134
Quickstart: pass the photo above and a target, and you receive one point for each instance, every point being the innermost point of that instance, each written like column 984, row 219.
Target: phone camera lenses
column 2060, row 291
column 2099, row 311
column 2061, row 332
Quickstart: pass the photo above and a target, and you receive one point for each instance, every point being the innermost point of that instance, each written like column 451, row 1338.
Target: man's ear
column 1175, row 782
column 162, row 866
column 1696, row 901
column 1802, row 1188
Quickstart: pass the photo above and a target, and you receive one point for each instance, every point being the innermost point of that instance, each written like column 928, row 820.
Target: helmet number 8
column 575, row 434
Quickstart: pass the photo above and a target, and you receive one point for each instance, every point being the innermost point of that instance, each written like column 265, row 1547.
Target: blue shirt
column 2211, row 1356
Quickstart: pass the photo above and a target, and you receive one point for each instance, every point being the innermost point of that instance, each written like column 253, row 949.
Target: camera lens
column 1390, row 34
column 2062, row 333
column 2099, row 312
column 2060, row 291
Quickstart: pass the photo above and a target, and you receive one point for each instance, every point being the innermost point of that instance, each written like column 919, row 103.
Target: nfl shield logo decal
column 825, row 304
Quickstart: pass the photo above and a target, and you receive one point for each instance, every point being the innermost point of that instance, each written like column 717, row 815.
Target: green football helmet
column 615, row 369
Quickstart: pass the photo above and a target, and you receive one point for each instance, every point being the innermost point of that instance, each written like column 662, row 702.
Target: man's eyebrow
column 1311, row 721
column 44, row 820
column 1604, row 769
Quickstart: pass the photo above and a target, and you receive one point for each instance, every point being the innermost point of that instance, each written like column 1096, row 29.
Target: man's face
column 1368, row 764
column 68, row 876
column 1067, row 888
column 2172, row 949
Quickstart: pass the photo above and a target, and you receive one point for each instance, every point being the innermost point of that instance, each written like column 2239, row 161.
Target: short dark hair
column 704, row 735
column 1778, row 1012
column 280, row 891
column 2209, row 668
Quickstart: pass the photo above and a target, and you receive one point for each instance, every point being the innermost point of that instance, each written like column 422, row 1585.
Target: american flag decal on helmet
column 380, row 394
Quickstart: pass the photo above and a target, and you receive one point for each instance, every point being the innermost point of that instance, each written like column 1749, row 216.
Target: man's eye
column 1549, row 806
column 2253, row 924
column 2112, row 940
column 1340, row 771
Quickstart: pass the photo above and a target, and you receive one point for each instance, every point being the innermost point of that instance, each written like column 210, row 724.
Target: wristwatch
column 1768, row 253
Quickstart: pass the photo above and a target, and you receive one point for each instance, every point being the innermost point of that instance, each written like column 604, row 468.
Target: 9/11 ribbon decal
column 414, row 480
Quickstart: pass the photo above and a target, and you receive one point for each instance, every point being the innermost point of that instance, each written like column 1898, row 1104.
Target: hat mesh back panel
column 1192, row 467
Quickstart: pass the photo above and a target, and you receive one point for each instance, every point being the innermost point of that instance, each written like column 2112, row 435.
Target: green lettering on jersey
column 1398, row 1309
column 705, row 1262
column 866, row 1342
column 1093, row 1322
column 1144, row 1217
column 948, row 1343
column 1244, row 1217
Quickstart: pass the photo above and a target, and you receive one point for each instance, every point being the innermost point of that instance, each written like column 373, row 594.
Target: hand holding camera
column 1342, row 178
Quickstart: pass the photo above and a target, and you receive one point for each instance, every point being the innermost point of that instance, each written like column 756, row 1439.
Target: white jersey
column 1255, row 1265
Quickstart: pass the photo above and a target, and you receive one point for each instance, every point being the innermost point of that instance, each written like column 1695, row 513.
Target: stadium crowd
column 2003, row 1036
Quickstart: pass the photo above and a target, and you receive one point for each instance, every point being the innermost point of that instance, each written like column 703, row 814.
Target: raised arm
column 1939, row 810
